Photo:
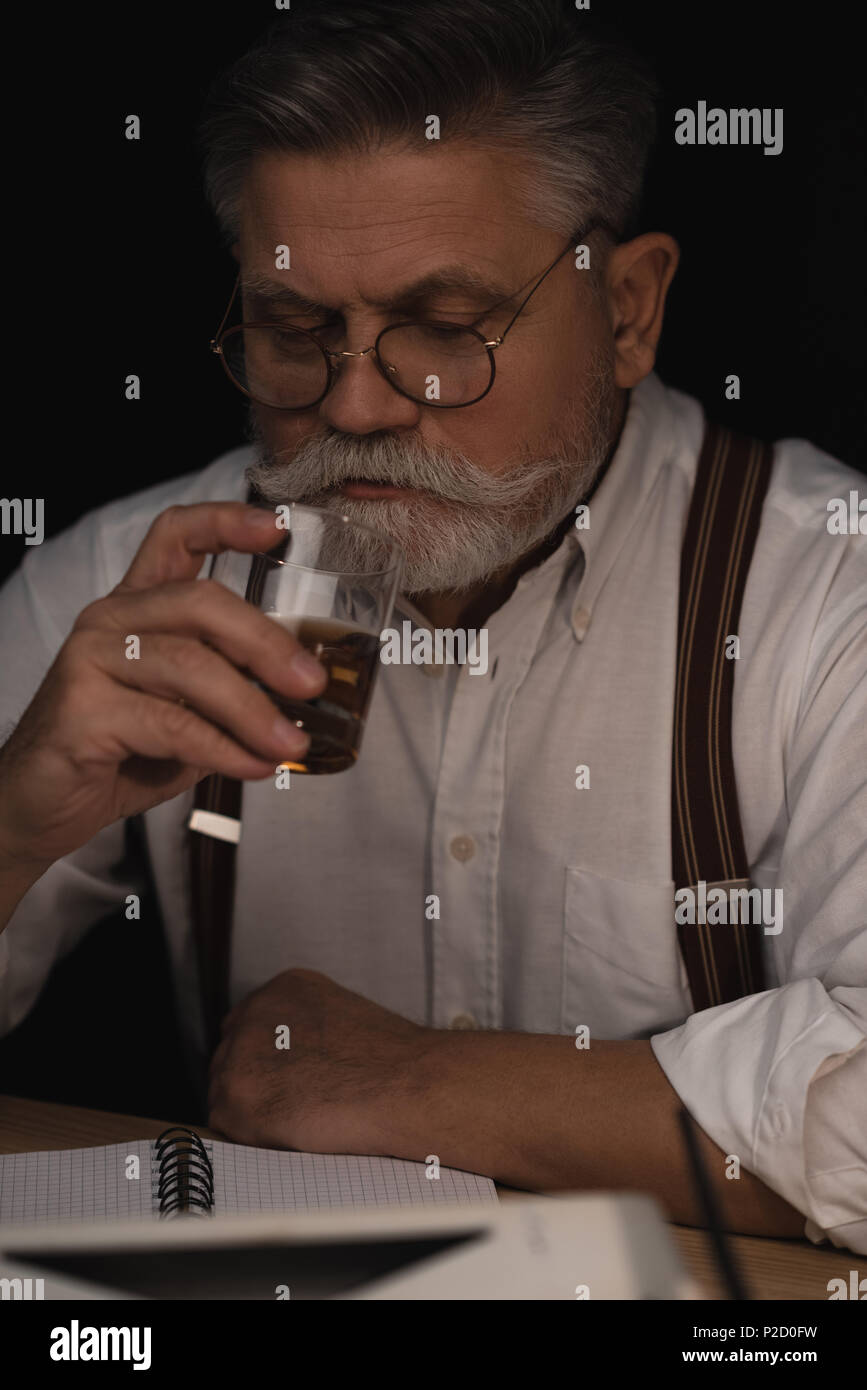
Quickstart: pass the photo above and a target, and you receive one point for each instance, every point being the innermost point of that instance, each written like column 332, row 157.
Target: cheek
column 524, row 406
column 284, row 431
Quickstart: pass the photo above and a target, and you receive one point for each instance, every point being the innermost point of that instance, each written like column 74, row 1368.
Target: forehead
column 356, row 222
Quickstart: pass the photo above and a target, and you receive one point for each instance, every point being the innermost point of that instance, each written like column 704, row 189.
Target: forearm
column 535, row 1112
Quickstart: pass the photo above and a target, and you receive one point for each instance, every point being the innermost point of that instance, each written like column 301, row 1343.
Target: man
column 438, row 925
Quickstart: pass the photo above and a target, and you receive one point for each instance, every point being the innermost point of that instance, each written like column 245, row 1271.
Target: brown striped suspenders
column 215, row 828
column 723, row 962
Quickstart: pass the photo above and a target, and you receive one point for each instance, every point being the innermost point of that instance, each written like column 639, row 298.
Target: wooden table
column 789, row 1269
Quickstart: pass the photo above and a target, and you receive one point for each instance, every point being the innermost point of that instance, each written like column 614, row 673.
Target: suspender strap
column 723, row 961
column 215, row 824
column 212, row 869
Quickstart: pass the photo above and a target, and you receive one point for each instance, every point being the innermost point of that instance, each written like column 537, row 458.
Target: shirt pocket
column 622, row 972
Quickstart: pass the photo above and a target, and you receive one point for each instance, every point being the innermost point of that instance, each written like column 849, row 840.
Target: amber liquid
column 335, row 719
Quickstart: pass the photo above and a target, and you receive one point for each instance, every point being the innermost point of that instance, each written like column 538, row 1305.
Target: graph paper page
column 274, row 1180
column 100, row 1183
column 78, row 1184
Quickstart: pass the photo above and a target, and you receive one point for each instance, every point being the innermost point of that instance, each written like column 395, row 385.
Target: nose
column 361, row 401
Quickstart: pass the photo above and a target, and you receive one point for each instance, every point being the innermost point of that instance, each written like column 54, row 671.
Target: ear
column 637, row 277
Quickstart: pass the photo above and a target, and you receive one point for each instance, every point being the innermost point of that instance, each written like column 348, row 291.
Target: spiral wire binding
column 186, row 1174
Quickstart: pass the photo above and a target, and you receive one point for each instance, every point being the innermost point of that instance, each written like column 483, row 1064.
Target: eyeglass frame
column 490, row 345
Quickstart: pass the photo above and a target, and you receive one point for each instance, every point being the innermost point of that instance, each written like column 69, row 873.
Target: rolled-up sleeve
column 834, row 1147
column 743, row 1070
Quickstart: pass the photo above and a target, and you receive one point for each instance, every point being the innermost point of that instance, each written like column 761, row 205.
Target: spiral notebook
column 181, row 1173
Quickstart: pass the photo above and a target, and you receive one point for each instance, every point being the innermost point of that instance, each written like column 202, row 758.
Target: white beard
column 472, row 523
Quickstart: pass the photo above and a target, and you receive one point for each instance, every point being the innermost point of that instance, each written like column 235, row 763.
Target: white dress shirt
column 555, row 903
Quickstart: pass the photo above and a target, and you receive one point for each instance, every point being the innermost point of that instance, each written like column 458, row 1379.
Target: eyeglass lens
column 285, row 369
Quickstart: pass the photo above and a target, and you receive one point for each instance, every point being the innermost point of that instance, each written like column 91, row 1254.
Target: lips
column 364, row 489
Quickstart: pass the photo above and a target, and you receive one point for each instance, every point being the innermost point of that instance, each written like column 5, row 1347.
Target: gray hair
column 533, row 77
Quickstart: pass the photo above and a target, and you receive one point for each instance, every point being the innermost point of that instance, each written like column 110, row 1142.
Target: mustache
column 325, row 461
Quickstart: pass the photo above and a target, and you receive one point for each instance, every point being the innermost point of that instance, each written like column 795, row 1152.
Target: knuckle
column 93, row 616
column 76, row 693
column 187, row 658
column 76, row 654
column 202, row 594
column 166, row 530
column 171, row 518
column 177, row 721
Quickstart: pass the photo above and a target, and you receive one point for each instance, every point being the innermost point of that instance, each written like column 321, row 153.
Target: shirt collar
column 647, row 441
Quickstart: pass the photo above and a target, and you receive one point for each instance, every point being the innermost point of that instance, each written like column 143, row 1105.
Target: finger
column 147, row 726
column 209, row 611
column 181, row 537
column 181, row 668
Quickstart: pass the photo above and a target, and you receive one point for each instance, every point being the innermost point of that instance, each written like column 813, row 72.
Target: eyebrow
column 448, row 277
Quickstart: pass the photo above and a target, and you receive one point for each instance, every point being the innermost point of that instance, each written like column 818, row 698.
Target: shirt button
column 463, row 1021
column 463, row 847
column 580, row 622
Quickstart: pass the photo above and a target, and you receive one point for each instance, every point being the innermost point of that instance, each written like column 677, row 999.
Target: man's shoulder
column 801, row 532
column 803, row 553
column 808, row 488
column 808, row 578
column 806, row 483
column 804, row 612
column 220, row 480
column 60, row 577
column 804, row 478
column 121, row 525
column 106, row 538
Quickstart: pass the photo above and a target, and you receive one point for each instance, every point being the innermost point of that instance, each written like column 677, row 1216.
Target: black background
column 770, row 287
column 771, row 284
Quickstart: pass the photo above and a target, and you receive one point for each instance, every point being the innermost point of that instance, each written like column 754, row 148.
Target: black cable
column 707, row 1202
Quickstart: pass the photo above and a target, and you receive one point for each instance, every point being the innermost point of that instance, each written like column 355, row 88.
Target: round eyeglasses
column 434, row 363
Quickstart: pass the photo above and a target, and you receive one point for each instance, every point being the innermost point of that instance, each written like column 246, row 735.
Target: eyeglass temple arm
column 579, row 237
column 216, row 337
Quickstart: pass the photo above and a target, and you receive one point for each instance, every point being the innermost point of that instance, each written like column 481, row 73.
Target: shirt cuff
column 743, row 1071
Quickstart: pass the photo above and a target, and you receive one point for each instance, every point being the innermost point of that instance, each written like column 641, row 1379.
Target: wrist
column 17, row 875
column 409, row 1098
column 16, row 865
column 448, row 1109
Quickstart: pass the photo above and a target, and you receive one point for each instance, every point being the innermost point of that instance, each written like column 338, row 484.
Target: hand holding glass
column 308, row 584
